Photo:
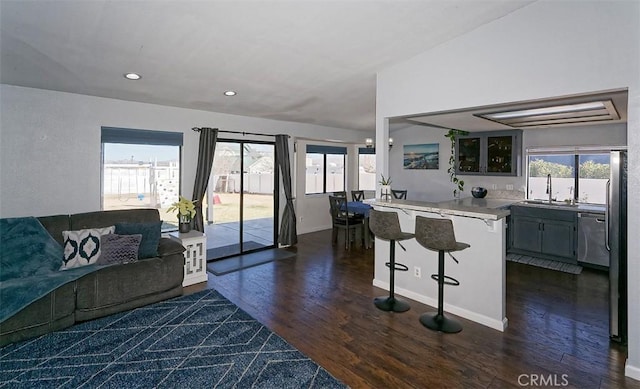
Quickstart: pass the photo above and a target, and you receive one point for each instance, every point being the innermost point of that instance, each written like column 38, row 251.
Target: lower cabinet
column 526, row 234
column 559, row 239
column 544, row 233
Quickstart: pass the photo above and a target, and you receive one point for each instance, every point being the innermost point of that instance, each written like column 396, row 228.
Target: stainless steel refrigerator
column 616, row 242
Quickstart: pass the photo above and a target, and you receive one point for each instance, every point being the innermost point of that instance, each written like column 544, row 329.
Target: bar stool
column 386, row 225
column 437, row 235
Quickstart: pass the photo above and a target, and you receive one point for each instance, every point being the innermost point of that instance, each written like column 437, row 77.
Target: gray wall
column 434, row 185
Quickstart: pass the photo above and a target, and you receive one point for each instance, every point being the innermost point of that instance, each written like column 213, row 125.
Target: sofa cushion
column 102, row 292
column 119, row 249
column 169, row 246
column 151, row 233
column 55, row 225
column 99, row 219
column 82, row 247
column 17, row 293
column 53, row 311
column 27, row 249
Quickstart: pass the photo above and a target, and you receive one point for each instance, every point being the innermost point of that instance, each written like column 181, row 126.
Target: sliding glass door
column 242, row 199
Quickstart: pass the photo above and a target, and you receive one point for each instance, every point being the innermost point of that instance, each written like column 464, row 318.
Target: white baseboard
column 313, row 229
column 632, row 371
column 499, row 325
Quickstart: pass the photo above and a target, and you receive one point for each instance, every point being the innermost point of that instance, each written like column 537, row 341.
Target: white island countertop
column 490, row 209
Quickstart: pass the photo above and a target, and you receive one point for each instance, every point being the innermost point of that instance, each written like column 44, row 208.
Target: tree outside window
column 581, row 177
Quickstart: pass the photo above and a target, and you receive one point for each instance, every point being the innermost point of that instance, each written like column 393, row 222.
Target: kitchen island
column 481, row 295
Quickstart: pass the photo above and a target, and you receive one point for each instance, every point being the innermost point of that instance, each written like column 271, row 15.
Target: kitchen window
column 578, row 176
column 324, row 169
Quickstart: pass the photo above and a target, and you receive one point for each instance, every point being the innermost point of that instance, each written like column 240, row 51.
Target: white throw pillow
column 82, row 247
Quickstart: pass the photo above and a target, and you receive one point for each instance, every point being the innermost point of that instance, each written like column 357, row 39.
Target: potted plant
column 385, row 188
column 458, row 183
column 186, row 211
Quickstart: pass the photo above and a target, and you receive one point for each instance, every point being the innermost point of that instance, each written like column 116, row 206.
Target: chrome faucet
column 572, row 199
column 549, row 191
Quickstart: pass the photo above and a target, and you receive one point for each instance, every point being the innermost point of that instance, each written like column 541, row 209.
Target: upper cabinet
column 496, row 153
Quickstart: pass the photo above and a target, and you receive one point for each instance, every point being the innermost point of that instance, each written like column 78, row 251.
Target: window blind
column 318, row 149
column 141, row 137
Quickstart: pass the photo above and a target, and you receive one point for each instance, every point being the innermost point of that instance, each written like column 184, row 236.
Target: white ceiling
column 302, row 61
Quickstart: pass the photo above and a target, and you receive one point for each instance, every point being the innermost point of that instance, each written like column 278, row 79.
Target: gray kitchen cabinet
column 544, row 233
column 489, row 153
column 559, row 239
column 526, row 233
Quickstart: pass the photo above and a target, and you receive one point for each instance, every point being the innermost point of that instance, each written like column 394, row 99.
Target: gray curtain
column 206, row 150
column 288, row 234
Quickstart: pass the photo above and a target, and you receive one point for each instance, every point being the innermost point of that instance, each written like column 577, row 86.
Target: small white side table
column 195, row 256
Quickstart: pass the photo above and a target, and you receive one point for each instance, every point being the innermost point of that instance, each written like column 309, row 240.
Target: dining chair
column 342, row 220
column 399, row 194
column 340, row 194
column 357, row 195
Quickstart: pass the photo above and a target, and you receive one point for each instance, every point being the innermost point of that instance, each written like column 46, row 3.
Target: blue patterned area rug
column 196, row 341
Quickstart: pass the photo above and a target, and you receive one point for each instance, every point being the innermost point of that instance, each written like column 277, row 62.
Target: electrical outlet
column 417, row 272
column 509, row 187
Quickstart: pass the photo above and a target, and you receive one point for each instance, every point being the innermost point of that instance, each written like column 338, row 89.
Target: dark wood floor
column 321, row 302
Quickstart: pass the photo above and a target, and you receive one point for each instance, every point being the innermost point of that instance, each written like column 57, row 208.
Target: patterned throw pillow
column 82, row 247
column 119, row 249
column 150, row 236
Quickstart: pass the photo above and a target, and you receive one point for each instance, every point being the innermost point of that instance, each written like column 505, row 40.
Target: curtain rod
column 197, row 129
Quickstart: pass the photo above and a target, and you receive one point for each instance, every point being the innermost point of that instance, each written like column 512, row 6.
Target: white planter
column 385, row 192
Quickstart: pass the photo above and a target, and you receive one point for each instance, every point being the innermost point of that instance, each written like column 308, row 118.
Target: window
column 593, row 174
column 141, row 169
column 367, row 168
column 324, row 169
column 314, row 181
column 581, row 177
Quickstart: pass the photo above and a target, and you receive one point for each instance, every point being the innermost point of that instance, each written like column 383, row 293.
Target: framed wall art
column 424, row 156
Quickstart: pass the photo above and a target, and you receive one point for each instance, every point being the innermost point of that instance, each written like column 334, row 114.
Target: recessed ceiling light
column 132, row 76
column 229, row 93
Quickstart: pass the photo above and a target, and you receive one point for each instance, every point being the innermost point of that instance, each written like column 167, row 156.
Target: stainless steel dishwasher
column 592, row 249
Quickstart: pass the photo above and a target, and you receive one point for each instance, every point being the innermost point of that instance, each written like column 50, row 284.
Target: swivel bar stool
column 386, row 225
column 438, row 235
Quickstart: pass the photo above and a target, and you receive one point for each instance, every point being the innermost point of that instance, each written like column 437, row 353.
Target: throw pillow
column 82, row 247
column 119, row 249
column 150, row 236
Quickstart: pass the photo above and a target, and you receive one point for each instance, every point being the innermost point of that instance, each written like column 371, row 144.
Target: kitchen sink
column 549, row 204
